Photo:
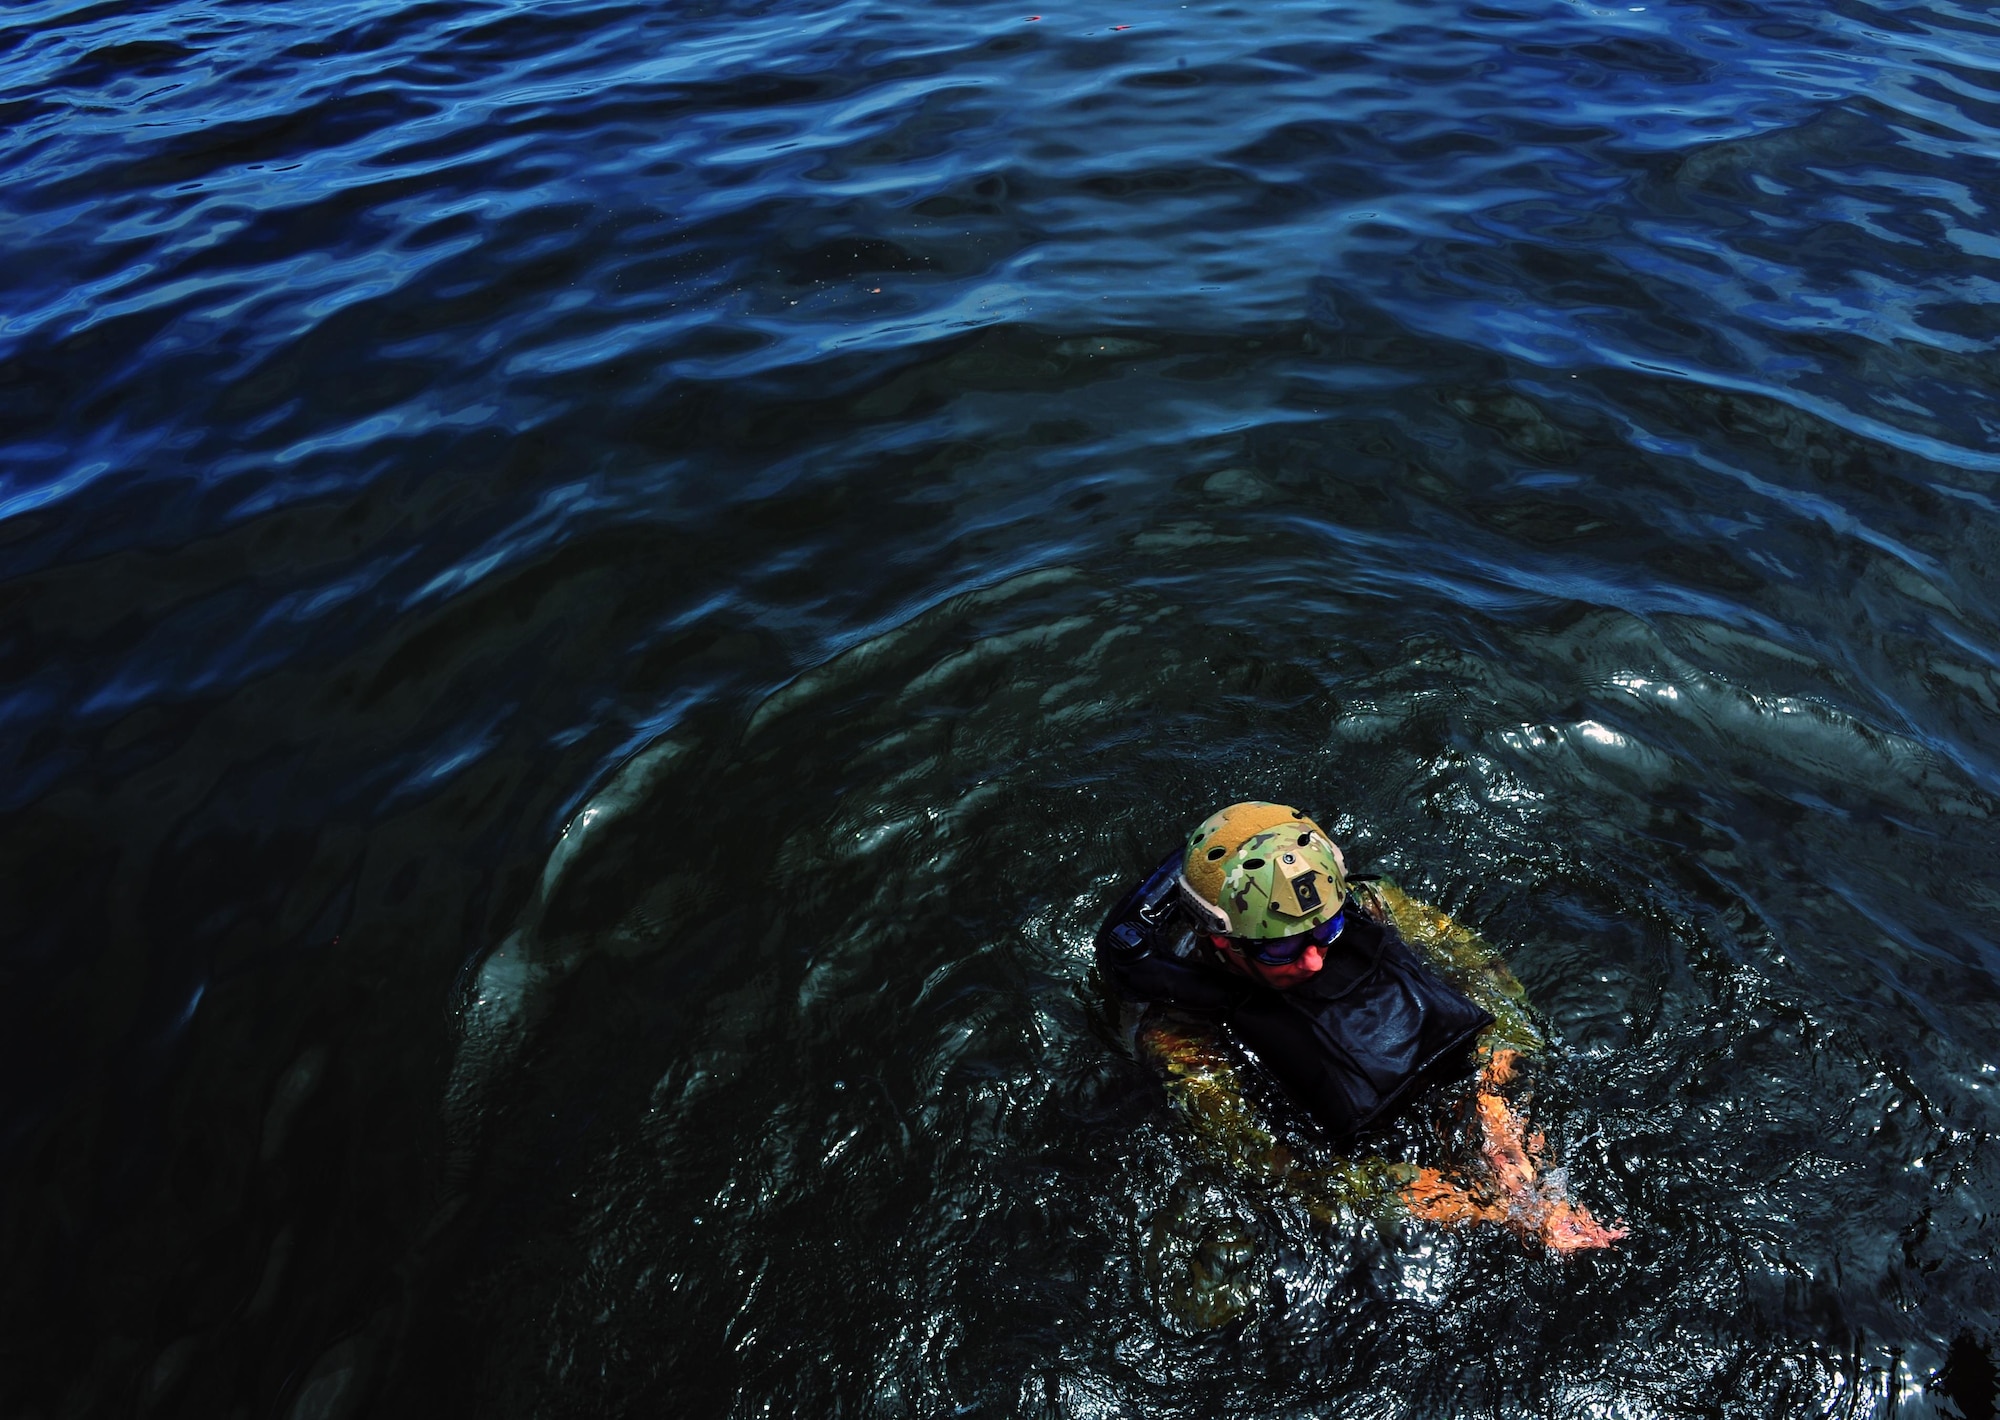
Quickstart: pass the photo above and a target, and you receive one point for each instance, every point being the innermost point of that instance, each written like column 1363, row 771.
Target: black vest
column 1350, row 1044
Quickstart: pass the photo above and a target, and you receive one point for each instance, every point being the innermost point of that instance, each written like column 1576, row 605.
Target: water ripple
column 467, row 468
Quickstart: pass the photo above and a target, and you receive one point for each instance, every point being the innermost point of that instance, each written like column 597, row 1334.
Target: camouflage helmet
column 1263, row 870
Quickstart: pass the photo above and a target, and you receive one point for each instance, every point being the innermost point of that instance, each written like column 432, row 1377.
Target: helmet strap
column 1205, row 912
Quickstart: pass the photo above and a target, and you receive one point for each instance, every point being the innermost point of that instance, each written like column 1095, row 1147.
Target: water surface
column 597, row 596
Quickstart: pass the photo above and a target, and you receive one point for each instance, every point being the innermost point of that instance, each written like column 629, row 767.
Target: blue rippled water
column 595, row 597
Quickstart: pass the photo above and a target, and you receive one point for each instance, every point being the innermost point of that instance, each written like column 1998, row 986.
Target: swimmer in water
column 1253, row 930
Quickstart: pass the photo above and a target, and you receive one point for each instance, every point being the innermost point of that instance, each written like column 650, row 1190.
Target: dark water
column 953, row 452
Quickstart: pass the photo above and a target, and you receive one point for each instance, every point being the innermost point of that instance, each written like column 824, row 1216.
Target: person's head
column 1268, row 885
